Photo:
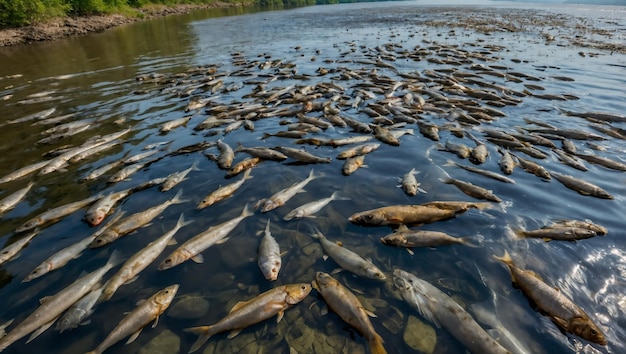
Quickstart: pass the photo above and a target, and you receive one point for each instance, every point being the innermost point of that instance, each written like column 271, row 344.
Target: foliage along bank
column 16, row 13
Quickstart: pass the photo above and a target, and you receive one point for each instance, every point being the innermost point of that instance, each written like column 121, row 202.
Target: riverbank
column 74, row 26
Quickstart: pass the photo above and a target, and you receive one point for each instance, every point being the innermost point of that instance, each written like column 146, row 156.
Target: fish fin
column 172, row 242
column 368, row 312
column 376, row 345
column 313, row 285
column 283, row 253
column 422, row 190
column 41, row 329
column 279, row 316
column 410, row 251
column 560, row 322
column 156, row 322
column 325, row 257
column 532, row 273
column 4, row 326
column 324, row 310
column 401, row 228
column 44, row 299
column 337, row 270
column 204, row 332
column 134, row 336
column 198, row 258
column 233, row 333
column 547, row 239
column 238, row 305
column 506, row 258
column 84, row 323
column 222, row 240
column 129, row 281
column 339, row 243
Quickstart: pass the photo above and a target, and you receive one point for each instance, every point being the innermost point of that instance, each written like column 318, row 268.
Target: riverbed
column 540, row 64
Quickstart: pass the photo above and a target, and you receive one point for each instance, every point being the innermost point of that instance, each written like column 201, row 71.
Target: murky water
column 570, row 50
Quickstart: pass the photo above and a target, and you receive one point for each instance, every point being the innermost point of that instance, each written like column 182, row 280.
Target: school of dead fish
column 348, row 103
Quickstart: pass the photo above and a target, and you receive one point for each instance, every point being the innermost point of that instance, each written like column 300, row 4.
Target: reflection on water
column 143, row 75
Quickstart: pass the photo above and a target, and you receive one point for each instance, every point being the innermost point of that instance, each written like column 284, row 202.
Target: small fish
column 582, row 187
column 569, row 160
column 22, row 172
column 385, row 136
column 603, row 161
column 147, row 311
column 140, row 260
column 11, row 251
column 100, row 209
column 302, row 155
column 472, row 190
column 134, row 222
column 173, row 124
column 281, row 197
column 460, row 150
column 269, row 255
column 441, row 310
column 405, row 237
column 262, row 152
column 79, row 311
column 15, row 198
column 553, row 303
column 358, row 150
column 479, row 152
column 192, row 248
column 348, row 307
column 227, row 155
column 307, row 210
column 349, row 260
column 350, row 140
column 56, row 214
column 409, row 183
column 352, row 164
column 244, row 165
column 223, row 192
column 557, row 233
column 481, row 171
column 175, row 178
column 599, row 229
column 506, row 162
column 532, row 167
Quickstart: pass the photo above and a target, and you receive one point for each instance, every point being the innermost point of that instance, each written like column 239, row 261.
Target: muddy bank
column 73, row 26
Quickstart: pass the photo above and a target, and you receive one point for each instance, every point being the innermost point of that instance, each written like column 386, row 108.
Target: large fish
column 271, row 303
column 405, row 237
column 348, row 307
column 553, row 303
column 53, row 306
column 56, row 214
column 441, row 310
column 414, row 214
column 147, row 311
column 580, row 186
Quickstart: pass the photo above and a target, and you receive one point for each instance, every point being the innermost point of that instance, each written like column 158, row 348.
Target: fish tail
column 239, row 147
column 177, row 198
column 114, row 259
column 182, row 222
column 520, row 233
column 376, row 345
column 471, row 241
column 484, row 205
column 194, row 166
column 204, row 333
column 247, row 211
column 246, row 175
column 506, row 258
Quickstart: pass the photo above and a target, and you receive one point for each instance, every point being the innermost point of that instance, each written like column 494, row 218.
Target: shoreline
column 75, row 26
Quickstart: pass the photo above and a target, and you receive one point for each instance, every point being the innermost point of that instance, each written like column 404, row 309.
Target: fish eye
column 303, row 287
column 168, row 261
column 594, row 332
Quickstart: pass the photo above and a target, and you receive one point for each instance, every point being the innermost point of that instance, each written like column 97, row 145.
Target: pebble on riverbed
column 165, row 343
column 188, row 307
column 420, row 336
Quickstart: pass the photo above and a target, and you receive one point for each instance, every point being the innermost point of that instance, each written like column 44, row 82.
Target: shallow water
column 98, row 81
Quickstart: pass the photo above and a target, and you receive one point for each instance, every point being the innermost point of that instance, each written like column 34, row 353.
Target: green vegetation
column 15, row 13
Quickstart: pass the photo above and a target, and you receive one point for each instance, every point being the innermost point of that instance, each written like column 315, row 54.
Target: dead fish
column 262, row 152
column 175, row 178
column 409, row 183
column 243, row 165
column 192, row 248
column 441, row 310
column 273, row 302
column 472, row 190
column 56, row 214
column 479, row 152
column 101, row 208
column 532, row 167
column 602, row 161
column 348, row 307
column 569, row 160
column 553, row 303
column 414, row 214
column 385, row 136
column 15, row 198
column 405, row 237
column 75, row 315
column 223, row 192
column 173, row 124
column 352, row 164
column 580, row 186
column 302, row 155
column 358, row 150
column 460, row 150
column 281, row 197
column 309, row 209
column 11, row 251
column 599, row 229
column 52, row 307
column 24, row 171
column 506, row 163
column 146, row 311
column 561, row 233
column 481, row 171
column 227, row 155
column 269, row 259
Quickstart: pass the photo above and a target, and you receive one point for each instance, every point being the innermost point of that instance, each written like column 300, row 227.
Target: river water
column 137, row 75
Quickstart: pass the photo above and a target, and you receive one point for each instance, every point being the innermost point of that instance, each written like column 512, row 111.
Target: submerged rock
column 420, row 336
column 189, row 307
column 165, row 343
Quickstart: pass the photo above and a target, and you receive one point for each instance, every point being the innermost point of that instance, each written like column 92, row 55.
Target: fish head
column 410, row 188
column 39, row 271
column 585, row 328
column 395, row 239
column 269, row 204
column 94, row 219
column 30, row 224
column 374, row 273
column 324, row 280
column 270, row 269
column 296, row 292
column 104, row 239
column 164, row 297
column 401, row 280
column 173, row 260
column 371, row 217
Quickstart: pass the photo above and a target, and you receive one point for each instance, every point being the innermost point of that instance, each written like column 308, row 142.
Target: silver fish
column 79, row 311
column 10, row 252
column 281, row 197
column 307, row 210
column 175, row 178
column 12, row 200
column 269, row 255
